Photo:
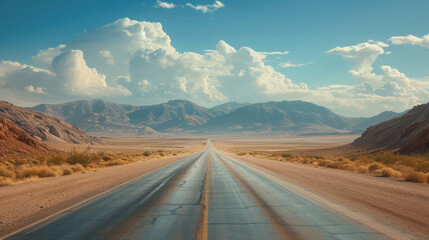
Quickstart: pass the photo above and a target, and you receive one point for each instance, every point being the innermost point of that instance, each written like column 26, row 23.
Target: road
column 208, row 196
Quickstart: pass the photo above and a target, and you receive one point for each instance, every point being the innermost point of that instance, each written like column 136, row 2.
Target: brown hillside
column 408, row 133
column 43, row 127
column 14, row 140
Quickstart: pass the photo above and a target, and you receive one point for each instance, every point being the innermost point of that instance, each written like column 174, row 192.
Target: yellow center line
column 206, row 204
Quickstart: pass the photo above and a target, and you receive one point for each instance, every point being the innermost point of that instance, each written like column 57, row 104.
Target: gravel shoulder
column 396, row 203
column 23, row 204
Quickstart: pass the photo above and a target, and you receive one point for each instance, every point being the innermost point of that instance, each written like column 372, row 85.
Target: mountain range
column 101, row 117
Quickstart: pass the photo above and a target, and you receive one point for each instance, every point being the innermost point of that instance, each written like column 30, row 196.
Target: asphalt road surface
column 208, row 196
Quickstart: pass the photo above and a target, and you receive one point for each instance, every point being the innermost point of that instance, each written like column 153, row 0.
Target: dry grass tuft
column 33, row 169
column 39, row 171
column 417, row 177
column 77, row 168
column 386, row 164
column 5, row 181
column 4, row 172
column 67, row 171
column 389, row 172
column 375, row 166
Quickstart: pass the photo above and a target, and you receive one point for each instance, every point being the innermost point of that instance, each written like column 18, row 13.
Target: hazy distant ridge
column 184, row 116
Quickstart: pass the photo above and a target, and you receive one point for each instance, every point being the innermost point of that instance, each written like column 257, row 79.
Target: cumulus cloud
column 362, row 56
column 32, row 89
column 160, row 4
column 289, row 64
column 411, row 39
column 45, row 57
column 391, row 90
column 69, row 76
column 207, row 8
column 108, row 55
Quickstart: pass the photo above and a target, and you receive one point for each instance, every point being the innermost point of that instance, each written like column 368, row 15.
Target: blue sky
column 307, row 29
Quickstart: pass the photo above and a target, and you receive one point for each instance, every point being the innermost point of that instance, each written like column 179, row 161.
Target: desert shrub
column 5, row 181
column 375, row 166
column 77, row 167
column 115, row 163
column 84, row 158
column 387, row 158
column 146, row 153
column 287, row 155
column 19, row 162
column 39, row 171
column 241, row 153
column 417, row 177
column 56, row 160
column 364, row 159
column 324, row 163
column 316, row 157
column 362, row 169
column 67, row 171
column 92, row 165
column 389, row 172
column 108, row 158
column 4, row 172
column 332, row 165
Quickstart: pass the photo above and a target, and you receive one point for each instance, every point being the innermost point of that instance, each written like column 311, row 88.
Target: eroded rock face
column 40, row 126
column 408, row 133
column 14, row 139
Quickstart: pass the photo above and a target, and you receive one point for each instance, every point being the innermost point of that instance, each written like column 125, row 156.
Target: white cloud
column 411, row 39
column 207, row 8
column 108, row 55
column 289, row 64
column 70, row 76
column 44, row 57
column 160, row 4
column 275, row 53
column 32, row 89
column 392, row 90
column 362, row 56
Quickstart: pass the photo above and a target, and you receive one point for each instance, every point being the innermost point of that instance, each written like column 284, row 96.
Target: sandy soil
column 290, row 144
column 26, row 203
column 400, row 204
column 139, row 144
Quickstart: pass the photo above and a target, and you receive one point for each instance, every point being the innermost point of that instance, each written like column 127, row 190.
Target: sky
column 357, row 58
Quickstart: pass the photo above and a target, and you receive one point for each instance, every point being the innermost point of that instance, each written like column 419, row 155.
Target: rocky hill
column 96, row 116
column 15, row 141
column 43, row 127
column 408, row 133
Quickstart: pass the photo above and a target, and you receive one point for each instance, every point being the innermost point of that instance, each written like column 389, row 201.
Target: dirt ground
column 297, row 145
column 139, row 144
